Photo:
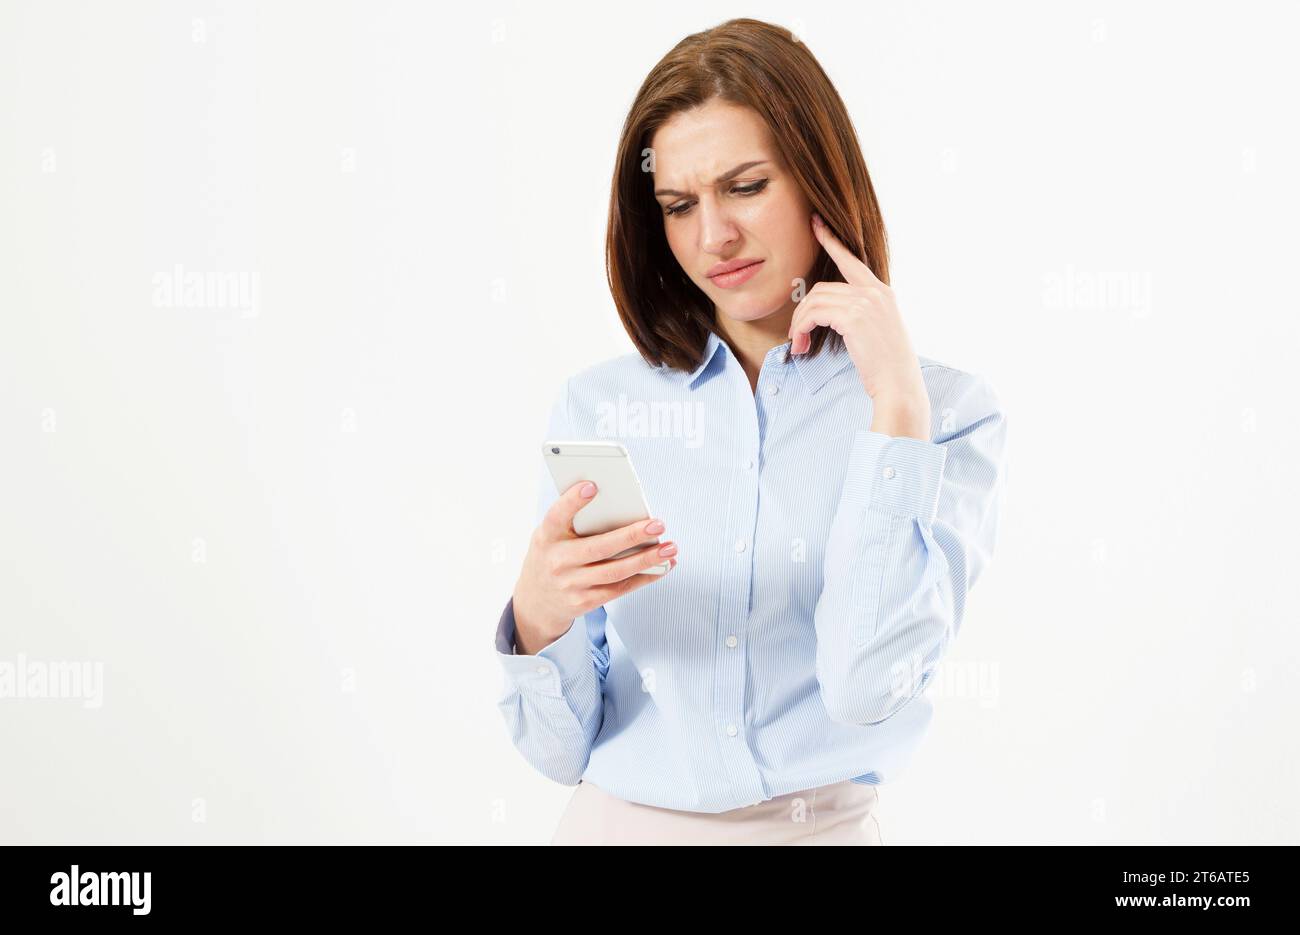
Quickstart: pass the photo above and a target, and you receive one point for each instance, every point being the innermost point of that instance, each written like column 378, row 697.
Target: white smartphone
column 619, row 498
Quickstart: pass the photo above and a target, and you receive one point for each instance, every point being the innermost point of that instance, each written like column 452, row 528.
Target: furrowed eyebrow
column 726, row 177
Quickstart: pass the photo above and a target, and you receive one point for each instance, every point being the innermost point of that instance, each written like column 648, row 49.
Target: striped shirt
column 823, row 571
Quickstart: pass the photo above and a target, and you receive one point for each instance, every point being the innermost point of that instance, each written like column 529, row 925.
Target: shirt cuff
column 901, row 476
column 547, row 669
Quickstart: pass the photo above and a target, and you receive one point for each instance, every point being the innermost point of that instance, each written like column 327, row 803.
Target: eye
column 749, row 188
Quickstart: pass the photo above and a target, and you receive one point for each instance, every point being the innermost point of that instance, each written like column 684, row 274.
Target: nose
column 717, row 230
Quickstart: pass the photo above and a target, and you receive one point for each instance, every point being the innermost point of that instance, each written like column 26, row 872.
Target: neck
column 751, row 340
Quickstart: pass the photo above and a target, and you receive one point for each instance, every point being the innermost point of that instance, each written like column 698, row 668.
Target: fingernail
column 655, row 527
column 669, row 549
column 588, row 489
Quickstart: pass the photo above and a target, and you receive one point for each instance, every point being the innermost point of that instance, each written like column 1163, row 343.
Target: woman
column 830, row 496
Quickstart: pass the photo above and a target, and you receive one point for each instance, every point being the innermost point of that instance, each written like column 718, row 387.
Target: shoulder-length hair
column 764, row 67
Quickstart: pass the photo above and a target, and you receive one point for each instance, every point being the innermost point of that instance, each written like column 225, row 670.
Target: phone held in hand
column 619, row 498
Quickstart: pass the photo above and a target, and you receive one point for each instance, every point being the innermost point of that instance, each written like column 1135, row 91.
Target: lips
column 734, row 272
column 732, row 265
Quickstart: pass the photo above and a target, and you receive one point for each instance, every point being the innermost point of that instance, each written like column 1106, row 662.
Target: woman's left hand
column 862, row 309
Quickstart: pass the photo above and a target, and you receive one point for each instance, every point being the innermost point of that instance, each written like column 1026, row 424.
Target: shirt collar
column 710, row 349
column 814, row 371
column 817, row 371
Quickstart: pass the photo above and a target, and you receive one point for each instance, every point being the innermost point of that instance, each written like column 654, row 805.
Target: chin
column 750, row 309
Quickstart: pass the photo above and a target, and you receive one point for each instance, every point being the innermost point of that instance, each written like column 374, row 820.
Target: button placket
column 730, row 669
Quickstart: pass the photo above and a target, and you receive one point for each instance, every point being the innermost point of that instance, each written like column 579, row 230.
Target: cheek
column 787, row 232
column 677, row 240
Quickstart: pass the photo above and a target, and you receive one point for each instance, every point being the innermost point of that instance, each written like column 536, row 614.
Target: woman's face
column 726, row 196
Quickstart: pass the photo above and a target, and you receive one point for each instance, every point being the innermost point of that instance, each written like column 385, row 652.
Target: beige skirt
column 838, row 813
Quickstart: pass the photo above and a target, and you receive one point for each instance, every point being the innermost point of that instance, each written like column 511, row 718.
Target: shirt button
column 888, row 472
column 740, row 545
column 773, row 389
column 731, row 730
column 542, row 670
column 732, row 641
column 749, row 465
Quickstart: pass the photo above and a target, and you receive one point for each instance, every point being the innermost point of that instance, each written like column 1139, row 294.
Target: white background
column 421, row 193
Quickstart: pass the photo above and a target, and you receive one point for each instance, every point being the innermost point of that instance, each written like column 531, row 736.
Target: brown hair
column 761, row 66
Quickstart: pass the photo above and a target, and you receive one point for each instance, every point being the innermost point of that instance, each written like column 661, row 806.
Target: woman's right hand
column 566, row 575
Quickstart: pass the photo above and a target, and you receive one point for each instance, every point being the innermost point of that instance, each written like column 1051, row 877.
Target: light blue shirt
column 823, row 571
